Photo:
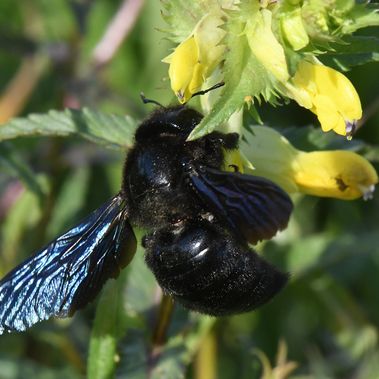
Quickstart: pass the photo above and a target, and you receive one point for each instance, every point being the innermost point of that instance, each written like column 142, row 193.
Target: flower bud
column 265, row 46
column 293, row 28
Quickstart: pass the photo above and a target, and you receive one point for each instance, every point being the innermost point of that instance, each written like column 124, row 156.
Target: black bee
column 200, row 221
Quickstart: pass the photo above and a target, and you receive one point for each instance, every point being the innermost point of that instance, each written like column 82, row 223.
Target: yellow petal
column 181, row 70
column 300, row 95
column 198, row 78
column 340, row 174
column 339, row 88
column 329, row 117
column 327, row 93
column 196, row 57
column 305, row 78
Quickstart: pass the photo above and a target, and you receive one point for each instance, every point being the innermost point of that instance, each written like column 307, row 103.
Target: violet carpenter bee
column 200, row 221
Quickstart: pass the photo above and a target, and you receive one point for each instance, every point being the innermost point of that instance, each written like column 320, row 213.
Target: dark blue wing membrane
column 254, row 207
column 70, row 271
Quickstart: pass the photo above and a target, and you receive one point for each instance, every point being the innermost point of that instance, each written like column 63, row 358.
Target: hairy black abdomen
column 207, row 270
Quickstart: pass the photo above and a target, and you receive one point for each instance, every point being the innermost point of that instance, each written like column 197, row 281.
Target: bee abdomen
column 206, row 269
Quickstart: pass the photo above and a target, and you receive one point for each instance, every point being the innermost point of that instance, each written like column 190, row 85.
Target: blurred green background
column 328, row 316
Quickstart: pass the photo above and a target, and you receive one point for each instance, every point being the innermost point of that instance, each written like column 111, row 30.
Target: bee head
column 178, row 121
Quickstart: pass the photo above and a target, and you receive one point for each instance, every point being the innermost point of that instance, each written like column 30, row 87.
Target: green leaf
column 360, row 16
column 371, row 152
column 180, row 349
column 325, row 251
column 358, row 50
column 121, row 310
column 370, row 365
column 104, row 129
column 10, row 159
column 315, row 246
column 182, row 16
column 244, row 77
column 58, row 21
column 27, row 368
column 23, row 215
column 125, row 323
column 107, row 329
column 69, row 202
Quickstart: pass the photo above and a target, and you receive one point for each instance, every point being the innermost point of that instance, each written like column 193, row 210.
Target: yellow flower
column 328, row 94
column 340, row 174
column 196, row 57
column 186, row 72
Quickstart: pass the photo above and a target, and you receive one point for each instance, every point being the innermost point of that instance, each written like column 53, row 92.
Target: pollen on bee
column 208, row 216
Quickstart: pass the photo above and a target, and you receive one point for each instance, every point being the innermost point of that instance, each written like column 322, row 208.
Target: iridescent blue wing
column 70, row 271
column 254, row 207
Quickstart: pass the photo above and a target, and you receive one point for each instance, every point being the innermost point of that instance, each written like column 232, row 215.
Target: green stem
column 163, row 321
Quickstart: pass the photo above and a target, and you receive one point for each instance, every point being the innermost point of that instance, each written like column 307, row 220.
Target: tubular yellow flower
column 186, row 72
column 328, row 94
column 339, row 174
column 196, row 57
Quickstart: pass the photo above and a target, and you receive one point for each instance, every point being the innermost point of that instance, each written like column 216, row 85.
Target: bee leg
column 234, row 167
column 230, row 141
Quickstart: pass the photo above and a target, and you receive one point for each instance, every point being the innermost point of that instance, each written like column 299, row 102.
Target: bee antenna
column 150, row 101
column 218, row 85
